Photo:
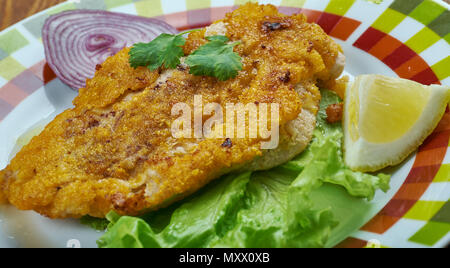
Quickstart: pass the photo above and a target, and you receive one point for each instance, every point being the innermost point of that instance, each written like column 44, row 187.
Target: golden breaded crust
column 3, row 198
column 115, row 150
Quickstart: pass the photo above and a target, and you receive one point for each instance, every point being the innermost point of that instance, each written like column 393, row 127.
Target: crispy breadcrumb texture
column 115, row 150
column 335, row 112
column 3, row 199
column 115, row 75
column 339, row 86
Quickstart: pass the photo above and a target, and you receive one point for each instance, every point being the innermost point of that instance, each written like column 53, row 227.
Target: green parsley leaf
column 215, row 59
column 221, row 38
column 164, row 51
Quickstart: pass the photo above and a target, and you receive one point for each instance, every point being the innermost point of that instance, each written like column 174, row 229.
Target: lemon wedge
column 386, row 119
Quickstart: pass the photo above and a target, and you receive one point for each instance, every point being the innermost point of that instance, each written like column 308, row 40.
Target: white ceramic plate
column 396, row 38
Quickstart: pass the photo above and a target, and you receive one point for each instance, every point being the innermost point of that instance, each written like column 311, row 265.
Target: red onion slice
column 76, row 41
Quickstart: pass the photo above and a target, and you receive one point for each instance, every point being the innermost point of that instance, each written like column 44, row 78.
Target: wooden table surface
column 12, row 11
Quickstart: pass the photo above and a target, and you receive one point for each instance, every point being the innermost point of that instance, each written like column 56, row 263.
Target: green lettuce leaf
column 95, row 223
column 294, row 205
column 324, row 158
column 269, row 221
column 193, row 224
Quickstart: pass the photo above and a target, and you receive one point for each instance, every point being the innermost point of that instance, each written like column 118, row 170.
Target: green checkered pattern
column 433, row 216
column 437, row 215
column 339, row 7
column 10, row 42
column 435, row 17
column 293, row 3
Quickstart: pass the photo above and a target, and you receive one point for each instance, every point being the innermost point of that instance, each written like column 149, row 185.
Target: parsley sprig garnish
column 216, row 58
column 164, row 51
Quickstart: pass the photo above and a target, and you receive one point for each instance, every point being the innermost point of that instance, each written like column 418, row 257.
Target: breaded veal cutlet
column 115, row 151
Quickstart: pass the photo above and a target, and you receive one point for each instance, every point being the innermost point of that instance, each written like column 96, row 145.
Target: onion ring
column 77, row 41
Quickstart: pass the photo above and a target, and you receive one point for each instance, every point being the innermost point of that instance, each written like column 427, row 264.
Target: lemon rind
column 439, row 100
column 407, row 153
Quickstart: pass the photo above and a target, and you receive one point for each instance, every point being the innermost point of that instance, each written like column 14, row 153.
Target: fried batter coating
column 115, row 150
